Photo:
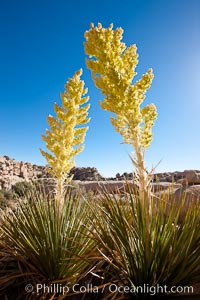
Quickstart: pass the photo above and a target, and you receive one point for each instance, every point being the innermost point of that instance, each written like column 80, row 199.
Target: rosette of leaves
column 167, row 256
column 38, row 246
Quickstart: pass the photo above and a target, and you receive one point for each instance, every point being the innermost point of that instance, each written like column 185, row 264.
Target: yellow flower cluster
column 66, row 135
column 113, row 68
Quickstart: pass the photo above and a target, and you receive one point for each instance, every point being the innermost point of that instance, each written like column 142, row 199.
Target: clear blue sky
column 41, row 46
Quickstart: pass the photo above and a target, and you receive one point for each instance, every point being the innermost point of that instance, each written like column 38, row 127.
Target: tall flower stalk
column 113, row 68
column 67, row 133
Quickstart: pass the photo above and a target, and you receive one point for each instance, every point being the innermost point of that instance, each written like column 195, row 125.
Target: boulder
column 189, row 194
column 162, row 186
column 191, row 176
column 120, row 186
column 110, row 186
column 86, row 174
column 23, row 171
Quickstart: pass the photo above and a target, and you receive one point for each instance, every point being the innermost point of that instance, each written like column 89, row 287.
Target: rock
column 12, row 171
column 191, row 176
column 2, row 159
column 23, row 171
column 120, row 186
column 110, row 186
column 187, row 177
column 160, row 177
column 86, row 174
column 183, row 182
column 162, row 186
column 191, row 194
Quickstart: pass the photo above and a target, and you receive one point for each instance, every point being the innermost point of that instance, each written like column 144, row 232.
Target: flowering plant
column 67, row 132
column 113, row 68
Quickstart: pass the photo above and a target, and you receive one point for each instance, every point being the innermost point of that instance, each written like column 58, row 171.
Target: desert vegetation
column 63, row 243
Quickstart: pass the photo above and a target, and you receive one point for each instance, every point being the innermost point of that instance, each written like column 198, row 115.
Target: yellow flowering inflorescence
column 113, row 69
column 66, row 137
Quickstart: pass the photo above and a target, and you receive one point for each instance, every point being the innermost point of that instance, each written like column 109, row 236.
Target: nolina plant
column 44, row 240
column 142, row 243
column 66, row 135
column 113, row 68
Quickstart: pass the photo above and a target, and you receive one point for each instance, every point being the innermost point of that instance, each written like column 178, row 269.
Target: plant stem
column 59, row 197
column 143, row 183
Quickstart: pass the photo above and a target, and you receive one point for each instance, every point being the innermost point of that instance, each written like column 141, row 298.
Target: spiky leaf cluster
column 113, row 68
column 66, row 135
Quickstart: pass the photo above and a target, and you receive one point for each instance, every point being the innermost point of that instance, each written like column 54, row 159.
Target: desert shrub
column 39, row 245
column 7, row 194
column 21, row 188
column 3, row 201
column 146, row 249
column 6, row 197
column 140, row 236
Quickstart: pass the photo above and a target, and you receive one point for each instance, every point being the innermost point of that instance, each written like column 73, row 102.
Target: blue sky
column 42, row 46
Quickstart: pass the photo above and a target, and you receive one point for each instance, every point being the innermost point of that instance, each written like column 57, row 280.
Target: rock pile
column 187, row 177
column 86, row 174
column 178, row 184
column 13, row 171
